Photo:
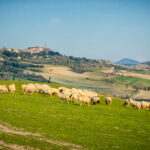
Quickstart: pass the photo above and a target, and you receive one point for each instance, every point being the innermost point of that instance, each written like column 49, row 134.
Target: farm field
column 43, row 122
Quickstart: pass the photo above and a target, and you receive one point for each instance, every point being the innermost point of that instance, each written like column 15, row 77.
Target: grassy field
column 143, row 72
column 131, row 81
column 51, row 124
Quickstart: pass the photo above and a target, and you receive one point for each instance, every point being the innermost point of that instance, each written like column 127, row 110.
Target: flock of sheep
column 11, row 88
column 70, row 95
column 138, row 105
column 66, row 94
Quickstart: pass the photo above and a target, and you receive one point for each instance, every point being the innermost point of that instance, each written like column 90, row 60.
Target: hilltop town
column 31, row 50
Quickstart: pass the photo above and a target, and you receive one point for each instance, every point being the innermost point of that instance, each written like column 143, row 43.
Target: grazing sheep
column 55, row 91
column 74, row 97
column 145, row 105
column 37, row 87
column 59, row 95
column 127, row 103
column 138, row 105
column 64, row 97
column 135, row 104
column 43, row 88
column 84, row 99
column 46, row 91
column 95, row 100
column 108, row 100
column 49, row 92
column 23, row 87
column 12, row 88
column 3, row 89
column 29, row 88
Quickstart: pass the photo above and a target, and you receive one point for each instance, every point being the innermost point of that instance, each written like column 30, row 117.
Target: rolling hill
column 127, row 62
column 45, row 65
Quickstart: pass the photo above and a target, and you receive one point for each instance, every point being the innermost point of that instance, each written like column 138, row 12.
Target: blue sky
column 107, row 29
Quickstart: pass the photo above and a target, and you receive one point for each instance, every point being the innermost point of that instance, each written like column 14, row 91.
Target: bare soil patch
column 4, row 145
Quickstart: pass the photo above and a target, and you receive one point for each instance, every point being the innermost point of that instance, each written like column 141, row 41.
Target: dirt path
column 7, row 146
column 6, row 128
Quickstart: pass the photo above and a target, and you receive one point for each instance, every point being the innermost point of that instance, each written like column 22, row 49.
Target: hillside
column 46, row 56
column 127, row 62
column 45, row 65
column 44, row 122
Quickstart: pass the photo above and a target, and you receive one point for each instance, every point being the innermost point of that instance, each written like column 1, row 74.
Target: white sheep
column 108, row 100
column 84, row 99
column 74, row 97
column 135, row 104
column 55, row 91
column 3, row 89
column 64, row 97
column 37, row 87
column 29, row 88
column 23, row 87
column 12, row 88
column 127, row 102
column 145, row 105
column 95, row 99
column 48, row 91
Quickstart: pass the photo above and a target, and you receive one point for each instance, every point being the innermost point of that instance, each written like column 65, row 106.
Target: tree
column 127, row 85
column 49, row 79
column 13, row 77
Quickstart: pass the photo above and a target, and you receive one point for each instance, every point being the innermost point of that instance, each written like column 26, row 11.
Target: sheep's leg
column 67, row 101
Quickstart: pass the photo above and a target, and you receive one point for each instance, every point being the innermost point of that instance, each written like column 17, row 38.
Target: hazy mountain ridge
column 147, row 63
column 128, row 62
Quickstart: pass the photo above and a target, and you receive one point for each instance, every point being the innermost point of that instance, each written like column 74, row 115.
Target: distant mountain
column 147, row 63
column 127, row 62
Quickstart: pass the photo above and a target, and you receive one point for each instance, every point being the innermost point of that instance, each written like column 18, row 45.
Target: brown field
column 126, row 74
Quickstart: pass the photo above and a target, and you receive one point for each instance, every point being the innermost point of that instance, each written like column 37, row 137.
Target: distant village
column 31, row 50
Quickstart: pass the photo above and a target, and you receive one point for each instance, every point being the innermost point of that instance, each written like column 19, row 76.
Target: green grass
column 131, row 81
column 97, row 127
column 143, row 72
